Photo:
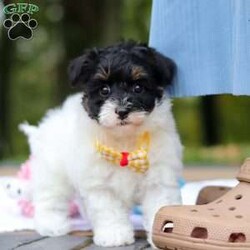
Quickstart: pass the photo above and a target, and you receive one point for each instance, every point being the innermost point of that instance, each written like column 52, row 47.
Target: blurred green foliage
column 38, row 78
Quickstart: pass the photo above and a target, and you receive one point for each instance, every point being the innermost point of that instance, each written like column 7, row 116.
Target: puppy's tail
column 32, row 134
column 27, row 129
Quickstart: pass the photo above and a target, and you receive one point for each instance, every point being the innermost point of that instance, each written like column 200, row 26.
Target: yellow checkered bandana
column 136, row 160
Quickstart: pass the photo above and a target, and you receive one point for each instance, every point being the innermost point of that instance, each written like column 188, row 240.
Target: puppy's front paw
column 51, row 224
column 114, row 235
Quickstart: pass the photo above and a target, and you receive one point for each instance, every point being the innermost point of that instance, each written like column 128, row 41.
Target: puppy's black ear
column 81, row 68
column 165, row 67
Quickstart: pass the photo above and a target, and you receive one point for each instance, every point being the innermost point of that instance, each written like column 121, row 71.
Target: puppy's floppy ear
column 166, row 68
column 81, row 68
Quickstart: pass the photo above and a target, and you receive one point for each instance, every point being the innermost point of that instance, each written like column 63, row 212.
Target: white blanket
column 12, row 220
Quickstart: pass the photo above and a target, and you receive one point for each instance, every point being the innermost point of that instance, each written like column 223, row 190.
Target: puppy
column 122, row 100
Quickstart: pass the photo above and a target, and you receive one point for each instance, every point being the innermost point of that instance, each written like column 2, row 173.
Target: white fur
column 64, row 161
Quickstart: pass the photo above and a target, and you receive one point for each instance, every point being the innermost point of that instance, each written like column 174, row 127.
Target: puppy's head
column 121, row 83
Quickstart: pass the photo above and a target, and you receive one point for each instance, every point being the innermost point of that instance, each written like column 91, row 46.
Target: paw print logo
column 20, row 26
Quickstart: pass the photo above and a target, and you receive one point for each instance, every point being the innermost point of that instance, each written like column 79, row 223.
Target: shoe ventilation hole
column 239, row 216
column 194, row 210
column 232, row 208
column 237, row 237
column 216, row 215
column 219, row 201
column 199, row 232
column 238, row 197
column 168, row 227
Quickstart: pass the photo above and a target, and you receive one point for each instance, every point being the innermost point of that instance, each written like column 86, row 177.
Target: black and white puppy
column 123, row 97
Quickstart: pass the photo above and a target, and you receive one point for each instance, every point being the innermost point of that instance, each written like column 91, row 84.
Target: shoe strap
column 244, row 173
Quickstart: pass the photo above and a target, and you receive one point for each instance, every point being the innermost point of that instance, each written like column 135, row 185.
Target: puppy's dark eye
column 138, row 88
column 105, row 91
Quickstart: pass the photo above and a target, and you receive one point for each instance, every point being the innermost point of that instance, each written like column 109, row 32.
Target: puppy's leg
column 51, row 196
column 157, row 196
column 109, row 217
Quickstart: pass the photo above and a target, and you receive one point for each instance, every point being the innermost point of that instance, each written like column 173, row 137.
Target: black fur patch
column 122, row 68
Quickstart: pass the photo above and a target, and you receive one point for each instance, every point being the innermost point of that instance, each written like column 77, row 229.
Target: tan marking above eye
column 137, row 72
column 102, row 73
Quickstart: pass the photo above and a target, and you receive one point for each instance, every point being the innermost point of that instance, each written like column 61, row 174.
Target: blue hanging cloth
column 209, row 41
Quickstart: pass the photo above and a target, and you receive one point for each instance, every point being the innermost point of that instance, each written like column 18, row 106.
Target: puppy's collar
column 136, row 160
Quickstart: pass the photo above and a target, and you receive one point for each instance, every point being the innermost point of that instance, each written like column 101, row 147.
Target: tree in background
column 7, row 55
column 86, row 24
column 210, row 120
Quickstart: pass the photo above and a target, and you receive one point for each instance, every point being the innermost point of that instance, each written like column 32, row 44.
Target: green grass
column 230, row 154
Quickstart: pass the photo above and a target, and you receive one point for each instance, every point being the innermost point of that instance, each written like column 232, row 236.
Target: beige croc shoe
column 211, row 193
column 223, row 224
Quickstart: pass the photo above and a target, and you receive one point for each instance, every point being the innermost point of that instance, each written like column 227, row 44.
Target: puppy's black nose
column 122, row 113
